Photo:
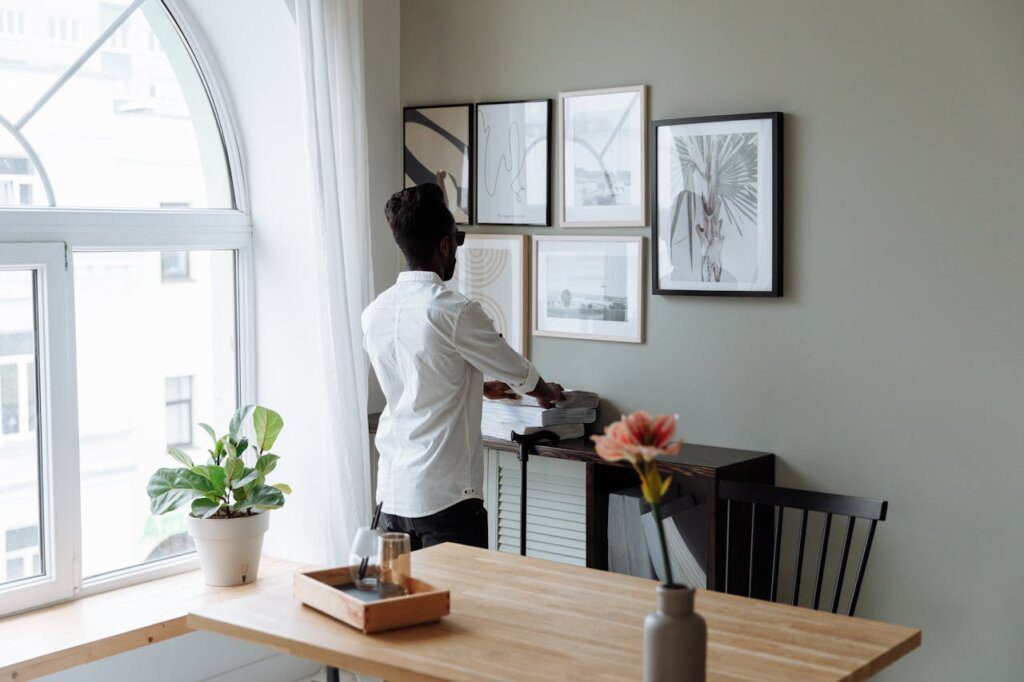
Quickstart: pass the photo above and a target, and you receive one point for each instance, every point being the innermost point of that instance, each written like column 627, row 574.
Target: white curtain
column 331, row 60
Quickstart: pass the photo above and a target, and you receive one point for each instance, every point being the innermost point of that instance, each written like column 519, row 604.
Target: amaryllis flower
column 638, row 437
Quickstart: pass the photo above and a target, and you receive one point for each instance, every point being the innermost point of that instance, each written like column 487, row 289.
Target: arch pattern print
column 491, row 269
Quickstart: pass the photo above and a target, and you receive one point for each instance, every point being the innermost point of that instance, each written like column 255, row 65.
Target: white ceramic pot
column 229, row 549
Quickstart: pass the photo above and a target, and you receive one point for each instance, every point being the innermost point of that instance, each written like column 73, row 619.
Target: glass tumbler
column 395, row 564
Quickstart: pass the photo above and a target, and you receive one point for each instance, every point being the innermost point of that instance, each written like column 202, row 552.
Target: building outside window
column 174, row 265
column 148, row 361
column 178, row 409
column 12, row 23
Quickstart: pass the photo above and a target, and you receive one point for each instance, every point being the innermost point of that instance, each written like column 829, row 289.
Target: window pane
column 131, row 128
column 153, row 359
column 21, row 549
column 20, row 184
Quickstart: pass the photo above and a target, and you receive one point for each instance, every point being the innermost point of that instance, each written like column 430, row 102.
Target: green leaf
column 241, row 446
column 168, row 489
column 205, row 507
column 268, row 425
column 233, row 469
column 283, row 487
column 230, row 448
column 218, row 451
column 236, row 421
column 263, row 497
column 181, row 457
column 209, row 430
column 248, row 476
column 266, row 463
column 214, row 474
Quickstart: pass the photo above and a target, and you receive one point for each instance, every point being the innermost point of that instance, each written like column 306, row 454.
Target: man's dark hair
column 419, row 220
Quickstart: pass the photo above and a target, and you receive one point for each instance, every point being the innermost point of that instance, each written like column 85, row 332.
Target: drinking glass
column 395, row 564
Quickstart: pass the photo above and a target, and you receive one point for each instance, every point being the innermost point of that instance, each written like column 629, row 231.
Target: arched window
column 125, row 251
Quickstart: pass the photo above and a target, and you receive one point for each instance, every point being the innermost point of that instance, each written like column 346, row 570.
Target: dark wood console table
column 697, row 468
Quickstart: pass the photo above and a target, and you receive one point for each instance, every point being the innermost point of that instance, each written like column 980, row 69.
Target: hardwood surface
column 703, row 461
column 515, row 617
column 57, row 637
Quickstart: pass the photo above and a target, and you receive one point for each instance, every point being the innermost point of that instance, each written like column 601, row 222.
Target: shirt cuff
column 529, row 383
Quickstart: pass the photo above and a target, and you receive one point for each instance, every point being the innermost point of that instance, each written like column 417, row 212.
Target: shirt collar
column 419, row 276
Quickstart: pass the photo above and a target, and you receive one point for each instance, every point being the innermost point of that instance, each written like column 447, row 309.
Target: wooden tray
column 324, row 591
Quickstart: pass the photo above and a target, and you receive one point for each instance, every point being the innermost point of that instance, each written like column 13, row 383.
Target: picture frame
column 437, row 146
column 514, row 162
column 492, row 270
column 602, row 140
column 572, row 278
column 739, row 252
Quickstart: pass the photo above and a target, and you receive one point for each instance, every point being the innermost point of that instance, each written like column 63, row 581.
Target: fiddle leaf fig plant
column 232, row 482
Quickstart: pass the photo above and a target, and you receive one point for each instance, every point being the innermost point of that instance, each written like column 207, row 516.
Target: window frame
column 56, row 436
column 62, row 232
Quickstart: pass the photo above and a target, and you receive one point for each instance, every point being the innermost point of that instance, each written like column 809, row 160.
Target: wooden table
column 697, row 468
column 522, row 618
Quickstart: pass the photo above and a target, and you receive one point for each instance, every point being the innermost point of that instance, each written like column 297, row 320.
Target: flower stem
column 656, row 511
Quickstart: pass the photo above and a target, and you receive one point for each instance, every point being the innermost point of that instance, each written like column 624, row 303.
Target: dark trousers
column 464, row 523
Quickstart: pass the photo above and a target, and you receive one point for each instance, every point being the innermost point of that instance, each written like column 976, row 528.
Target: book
column 503, row 430
column 685, row 524
column 496, row 410
column 627, row 542
column 585, row 399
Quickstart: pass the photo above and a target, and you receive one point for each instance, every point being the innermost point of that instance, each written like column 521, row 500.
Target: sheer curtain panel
column 331, row 60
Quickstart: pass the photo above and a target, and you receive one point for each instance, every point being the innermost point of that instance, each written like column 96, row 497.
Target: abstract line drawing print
column 437, row 139
column 490, row 270
column 512, row 163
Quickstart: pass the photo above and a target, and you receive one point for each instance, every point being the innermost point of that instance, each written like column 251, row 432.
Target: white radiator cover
column 556, row 521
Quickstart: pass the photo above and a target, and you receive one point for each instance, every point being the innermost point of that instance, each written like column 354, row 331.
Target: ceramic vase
column 675, row 638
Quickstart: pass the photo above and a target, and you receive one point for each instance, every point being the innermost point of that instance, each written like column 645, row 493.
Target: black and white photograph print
column 438, row 148
column 603, row 140
column 589, row 287
column 513, row 152
column 717, row 201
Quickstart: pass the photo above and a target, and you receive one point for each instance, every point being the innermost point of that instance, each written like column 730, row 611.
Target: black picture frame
column 549, row 151
column 411, row 163
column 776, row 215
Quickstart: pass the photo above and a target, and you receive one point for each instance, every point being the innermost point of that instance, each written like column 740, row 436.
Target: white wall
column 894, row 365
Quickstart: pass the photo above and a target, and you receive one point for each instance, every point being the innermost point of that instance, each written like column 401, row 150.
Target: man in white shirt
column 431, row 348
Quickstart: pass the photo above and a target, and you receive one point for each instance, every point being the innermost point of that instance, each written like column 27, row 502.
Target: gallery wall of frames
column 709, row 188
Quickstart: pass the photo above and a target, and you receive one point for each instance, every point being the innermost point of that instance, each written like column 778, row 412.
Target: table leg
column 332, row 674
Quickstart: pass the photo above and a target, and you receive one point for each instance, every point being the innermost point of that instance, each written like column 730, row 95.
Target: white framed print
column 603, row 146
column 491, row 269
column 588, row 287
column 513, row 163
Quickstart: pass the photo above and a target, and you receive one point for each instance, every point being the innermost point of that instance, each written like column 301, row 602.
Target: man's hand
column 498, row 390
column 547, row 394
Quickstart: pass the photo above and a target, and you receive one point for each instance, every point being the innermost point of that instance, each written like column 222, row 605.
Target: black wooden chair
column 747, row 509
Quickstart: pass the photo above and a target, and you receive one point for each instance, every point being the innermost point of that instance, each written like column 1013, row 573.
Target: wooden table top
column 701, row 461
column 64, row 635
column 514, row 617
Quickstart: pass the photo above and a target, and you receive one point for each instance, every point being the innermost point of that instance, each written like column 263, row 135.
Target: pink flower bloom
column 637, row 437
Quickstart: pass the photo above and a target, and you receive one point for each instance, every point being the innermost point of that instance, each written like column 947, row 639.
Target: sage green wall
column 894, row 365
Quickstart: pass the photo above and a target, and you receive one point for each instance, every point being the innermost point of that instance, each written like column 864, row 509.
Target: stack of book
column 525, row 415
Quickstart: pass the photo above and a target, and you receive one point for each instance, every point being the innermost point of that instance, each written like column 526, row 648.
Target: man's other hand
column 547, row 394
column 498, row 390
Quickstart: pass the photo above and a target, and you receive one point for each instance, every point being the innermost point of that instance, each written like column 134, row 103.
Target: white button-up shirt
column 431, row 348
